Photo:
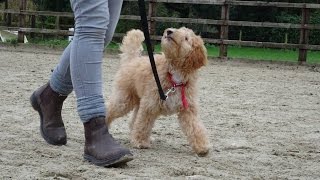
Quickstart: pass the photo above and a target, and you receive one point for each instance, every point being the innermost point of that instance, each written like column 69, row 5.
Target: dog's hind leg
column 194, row 129
column 119, row 105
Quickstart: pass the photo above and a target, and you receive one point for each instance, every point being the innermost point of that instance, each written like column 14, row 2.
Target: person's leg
column 86, row 53
column 114, row 13
column 91, row 20
column 48, row 101
column 60, row 85
column 60, row 80
column 93, row 31
column 80, row 69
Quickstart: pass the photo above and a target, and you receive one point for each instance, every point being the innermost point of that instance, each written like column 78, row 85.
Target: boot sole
column 108, row 163
column 36, row 106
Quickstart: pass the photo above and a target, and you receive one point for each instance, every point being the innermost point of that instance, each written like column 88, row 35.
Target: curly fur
column 135, row 89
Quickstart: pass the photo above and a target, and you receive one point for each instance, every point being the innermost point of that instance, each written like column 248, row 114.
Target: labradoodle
column 183, row 54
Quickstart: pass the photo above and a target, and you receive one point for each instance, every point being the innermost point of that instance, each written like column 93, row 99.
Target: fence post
column 224, row 30
column 240, row 35
column 304, row 35
column 151, row 22
column 7, row 16
column 22, row 20
column 33, row 24
column 286, row 38
column 57, row 24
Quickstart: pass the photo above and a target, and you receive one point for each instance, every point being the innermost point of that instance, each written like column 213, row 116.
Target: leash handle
column 145, row 28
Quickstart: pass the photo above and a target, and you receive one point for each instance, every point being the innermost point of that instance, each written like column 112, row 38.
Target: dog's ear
column 198, row 56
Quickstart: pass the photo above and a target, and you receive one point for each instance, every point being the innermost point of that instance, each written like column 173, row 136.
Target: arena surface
column 263, row 121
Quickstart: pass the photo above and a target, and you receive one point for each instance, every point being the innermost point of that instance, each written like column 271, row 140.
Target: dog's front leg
column 194, row 129
column 133, row 118
column 141, row 128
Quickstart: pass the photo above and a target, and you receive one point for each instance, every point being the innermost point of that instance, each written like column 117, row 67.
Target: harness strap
column 184, row 100
column 145, row 28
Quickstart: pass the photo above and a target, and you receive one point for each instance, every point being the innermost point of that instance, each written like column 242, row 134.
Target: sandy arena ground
column 263, row 121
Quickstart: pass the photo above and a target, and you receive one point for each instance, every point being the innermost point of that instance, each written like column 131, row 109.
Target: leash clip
column 171, row 90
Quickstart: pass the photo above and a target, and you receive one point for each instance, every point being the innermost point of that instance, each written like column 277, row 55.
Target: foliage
column 128, row 8
column 315, row 34
column 50, row 42
column 237, row 13
column 13, row 42
column 49, row 5
column 14, row 4
column 56, row 6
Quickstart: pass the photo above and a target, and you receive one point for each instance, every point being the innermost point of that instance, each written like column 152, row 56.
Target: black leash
column 145, row 28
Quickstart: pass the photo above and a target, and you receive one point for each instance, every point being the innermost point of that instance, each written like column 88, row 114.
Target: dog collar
column 174, row 85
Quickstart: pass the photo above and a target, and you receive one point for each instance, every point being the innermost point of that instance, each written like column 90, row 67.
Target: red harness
column 183, row 95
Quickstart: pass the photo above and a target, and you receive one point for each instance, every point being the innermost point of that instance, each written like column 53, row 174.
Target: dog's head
column 184, row 49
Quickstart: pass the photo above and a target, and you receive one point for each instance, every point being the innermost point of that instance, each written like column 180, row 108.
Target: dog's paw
column 203, row 153
column 141, row 144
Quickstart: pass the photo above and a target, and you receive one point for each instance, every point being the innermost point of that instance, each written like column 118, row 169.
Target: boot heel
column 34, row 103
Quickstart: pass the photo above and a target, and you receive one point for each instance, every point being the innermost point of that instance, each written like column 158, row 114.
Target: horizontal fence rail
column 223, row 22
column 239, row 3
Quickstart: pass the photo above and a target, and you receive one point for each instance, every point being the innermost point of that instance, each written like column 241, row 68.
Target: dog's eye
column 186, row 38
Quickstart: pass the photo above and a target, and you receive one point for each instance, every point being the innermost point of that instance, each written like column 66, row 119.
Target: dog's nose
column 169, row 32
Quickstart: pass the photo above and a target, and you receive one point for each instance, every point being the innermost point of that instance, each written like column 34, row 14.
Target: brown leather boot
column 101, row 148
column 49, row 104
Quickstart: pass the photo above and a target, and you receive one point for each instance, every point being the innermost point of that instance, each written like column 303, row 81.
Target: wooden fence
column 224, row 23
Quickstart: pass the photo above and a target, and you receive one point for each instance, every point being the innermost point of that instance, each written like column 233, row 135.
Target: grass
column 213, row 51
column 49, row 42
column 8, row 36
column 264, row 54
column 252, row 53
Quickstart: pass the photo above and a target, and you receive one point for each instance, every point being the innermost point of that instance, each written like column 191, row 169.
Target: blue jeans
column 80, row 66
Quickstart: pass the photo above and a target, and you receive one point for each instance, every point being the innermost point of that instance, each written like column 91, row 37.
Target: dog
column 134, row 88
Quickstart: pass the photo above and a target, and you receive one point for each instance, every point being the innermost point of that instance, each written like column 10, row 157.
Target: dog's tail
column 131, row 46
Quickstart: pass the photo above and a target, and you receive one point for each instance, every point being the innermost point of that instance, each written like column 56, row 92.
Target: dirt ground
column 263, row 121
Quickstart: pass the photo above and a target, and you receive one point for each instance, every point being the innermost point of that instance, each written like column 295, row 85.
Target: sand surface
column 263, row 121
